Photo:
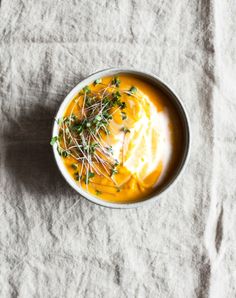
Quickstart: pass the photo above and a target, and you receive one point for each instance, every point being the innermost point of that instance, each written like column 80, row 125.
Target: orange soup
column 120, row 138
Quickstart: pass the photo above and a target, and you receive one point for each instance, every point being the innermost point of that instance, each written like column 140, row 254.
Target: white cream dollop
column 147, row 144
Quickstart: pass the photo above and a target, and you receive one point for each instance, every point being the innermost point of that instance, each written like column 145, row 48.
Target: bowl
column 175, row 101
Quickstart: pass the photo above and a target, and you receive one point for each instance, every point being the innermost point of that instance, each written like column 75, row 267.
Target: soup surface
column 120, row 138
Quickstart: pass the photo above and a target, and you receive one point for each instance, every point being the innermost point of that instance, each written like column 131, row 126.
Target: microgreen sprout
column 83, row 136
column 133, row 90
column 53, row 140
column 125, row 129
column 116, row 81
column 97, row 81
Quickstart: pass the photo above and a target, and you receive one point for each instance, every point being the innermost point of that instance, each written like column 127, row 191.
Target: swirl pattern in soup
column 120, row 138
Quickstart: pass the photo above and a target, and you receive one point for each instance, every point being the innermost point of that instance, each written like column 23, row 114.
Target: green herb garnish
column 98, row 192
column 86, row 89
column 74, row 166
column 123, row 105
column 116, row 95
column 59, row 121
column 65, row 153
column 77, row 177
column 81, row 134
column 62, row 152
column 98, row 118
column 125, row 129
column 78, row 128
column 114, row 171
column 97, row 81
column 116, row 81
column 53, row 140
column 109, row 149
column 88, row 176
column 88, row 124
column 133, row 90
column 123, row 115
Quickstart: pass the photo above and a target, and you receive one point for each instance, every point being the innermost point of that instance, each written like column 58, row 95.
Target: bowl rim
column 159, row 83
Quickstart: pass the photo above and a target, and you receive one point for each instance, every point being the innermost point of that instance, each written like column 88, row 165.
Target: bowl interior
column 173, row 100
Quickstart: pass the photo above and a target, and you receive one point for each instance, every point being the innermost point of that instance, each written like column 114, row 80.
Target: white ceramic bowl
column 176, row 102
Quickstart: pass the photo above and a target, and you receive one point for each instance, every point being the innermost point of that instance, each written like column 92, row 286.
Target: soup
column 120, row 139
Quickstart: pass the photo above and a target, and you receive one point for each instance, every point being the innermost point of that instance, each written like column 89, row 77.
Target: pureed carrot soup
column 120, row 138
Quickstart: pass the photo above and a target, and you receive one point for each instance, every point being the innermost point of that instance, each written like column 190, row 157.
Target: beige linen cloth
column 54, row 243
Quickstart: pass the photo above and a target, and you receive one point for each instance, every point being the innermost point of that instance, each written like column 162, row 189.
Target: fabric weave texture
column 54, row 243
